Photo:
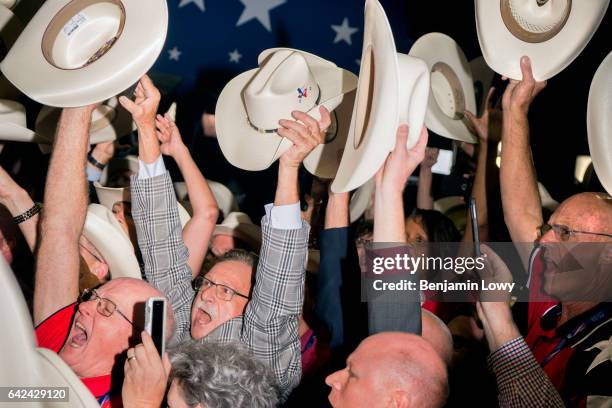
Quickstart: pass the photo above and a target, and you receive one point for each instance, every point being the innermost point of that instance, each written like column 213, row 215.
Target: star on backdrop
column 235, row 56
column 344, row 31
column 260, row 10
column 175, row 54
column 198, row 3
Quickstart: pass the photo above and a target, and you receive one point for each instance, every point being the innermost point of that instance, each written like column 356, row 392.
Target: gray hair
column 223, row 375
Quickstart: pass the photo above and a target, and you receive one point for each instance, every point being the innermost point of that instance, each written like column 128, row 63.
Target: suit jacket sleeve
column 158, row 227
column 270, row 325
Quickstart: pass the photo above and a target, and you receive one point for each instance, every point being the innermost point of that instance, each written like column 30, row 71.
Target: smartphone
column 155, row 322
column 474, row 219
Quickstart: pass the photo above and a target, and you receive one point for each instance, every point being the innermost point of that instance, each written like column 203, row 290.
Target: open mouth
column 203, row 317
column 79, row 338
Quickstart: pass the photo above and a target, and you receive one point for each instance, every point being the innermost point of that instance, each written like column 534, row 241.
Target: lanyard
column 573, row 336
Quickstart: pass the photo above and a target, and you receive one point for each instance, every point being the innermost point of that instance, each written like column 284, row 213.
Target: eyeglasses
column 221, row 291
column 564, row 233
column 105, row 307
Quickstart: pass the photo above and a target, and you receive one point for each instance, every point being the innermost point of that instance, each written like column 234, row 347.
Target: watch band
column 94, row 162
column 28, row 214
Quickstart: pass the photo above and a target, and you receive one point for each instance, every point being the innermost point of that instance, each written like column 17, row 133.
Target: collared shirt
column 53, row 332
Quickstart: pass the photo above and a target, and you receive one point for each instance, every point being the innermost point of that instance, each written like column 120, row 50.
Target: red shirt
column 52, row 334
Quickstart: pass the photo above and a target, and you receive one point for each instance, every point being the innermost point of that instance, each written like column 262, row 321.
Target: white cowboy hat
column 13, row 123
column 74, row 53
column 109, row 121
column 550, row 32
column 22, row 364
column 223, row 196
column 483, row 78
column 452, row 86
column 361, row 200
column 108, row 196
column 239, row 225
column 251, row 104
column 105, row 233
column 10, row 28
column 393, row 88
column 9, row 3
column 599, row 122
column 546, row 199
column 127, row 164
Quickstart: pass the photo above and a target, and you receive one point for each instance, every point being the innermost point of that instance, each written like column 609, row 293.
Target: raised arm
column 63, row 217
column 386, row 313
column 155, row 212
column 519, row 189
column 271, row 317
column 18, row 202
column 199, row 229
column 424, row 197
column 487, row 128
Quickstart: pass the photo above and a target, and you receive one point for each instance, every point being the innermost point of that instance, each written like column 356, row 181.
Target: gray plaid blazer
column 269, row 326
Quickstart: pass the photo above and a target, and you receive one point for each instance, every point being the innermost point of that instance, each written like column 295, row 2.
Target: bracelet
column 94, row 162
column 28, row 214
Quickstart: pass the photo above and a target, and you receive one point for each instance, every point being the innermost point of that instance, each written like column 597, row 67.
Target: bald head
column 438, row 335
column 585, row 210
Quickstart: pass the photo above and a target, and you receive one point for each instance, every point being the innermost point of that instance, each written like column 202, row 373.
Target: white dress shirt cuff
column 157, row 168
column 284, row 217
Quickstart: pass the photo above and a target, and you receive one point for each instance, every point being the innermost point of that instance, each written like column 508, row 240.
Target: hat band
column 526, row 30
column 268, row 131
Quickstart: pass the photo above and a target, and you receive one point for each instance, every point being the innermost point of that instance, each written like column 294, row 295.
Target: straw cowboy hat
column 599, row 122
column 78, row 52
column 550, row 32
column 483, row 78
column 10, row 28
column 13, row 123
column 223, row 196
column 22, row 363
column 251, row 104
column 452, row 86
column 108, row 196
column 109, row 121
column 392, row 88
column 239, row 225
column 104, row 232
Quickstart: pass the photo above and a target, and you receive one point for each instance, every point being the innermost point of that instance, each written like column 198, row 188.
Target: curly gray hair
column 222, row 375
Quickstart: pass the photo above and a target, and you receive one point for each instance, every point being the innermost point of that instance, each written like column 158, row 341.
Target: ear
column 100, row 270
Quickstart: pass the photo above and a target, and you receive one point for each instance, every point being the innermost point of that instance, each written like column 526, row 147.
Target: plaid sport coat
column 269, row 326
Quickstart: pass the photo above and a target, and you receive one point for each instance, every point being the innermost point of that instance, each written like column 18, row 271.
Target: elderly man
column 562, row 332
column 91, row 335
column 225, row 307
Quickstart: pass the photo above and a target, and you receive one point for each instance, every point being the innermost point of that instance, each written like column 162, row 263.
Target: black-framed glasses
column 564, row 233
column 104, row 306
column 222, row 292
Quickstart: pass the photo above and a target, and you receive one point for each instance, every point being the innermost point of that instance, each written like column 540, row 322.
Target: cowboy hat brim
column 599, row 122
column 503, row 50
column 35, row 71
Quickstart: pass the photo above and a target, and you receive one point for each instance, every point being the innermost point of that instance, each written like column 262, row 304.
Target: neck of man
column 573, row 309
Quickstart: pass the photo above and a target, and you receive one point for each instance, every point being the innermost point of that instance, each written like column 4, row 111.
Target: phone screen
column 154, row 322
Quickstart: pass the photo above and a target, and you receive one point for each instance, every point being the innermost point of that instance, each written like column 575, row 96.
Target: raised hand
column 305, row 132
column 169, row 136
column 401, row 162
column 519, row 94
column 431, row 157
column 487, row 127
column 144, row 107
column 146, row 375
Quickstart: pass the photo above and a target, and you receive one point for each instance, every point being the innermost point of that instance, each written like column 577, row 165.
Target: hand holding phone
column 155, row 322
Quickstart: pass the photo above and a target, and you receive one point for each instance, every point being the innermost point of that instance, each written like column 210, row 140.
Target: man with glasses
column 226, row 307
column 93, row 334
column 569, row 266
